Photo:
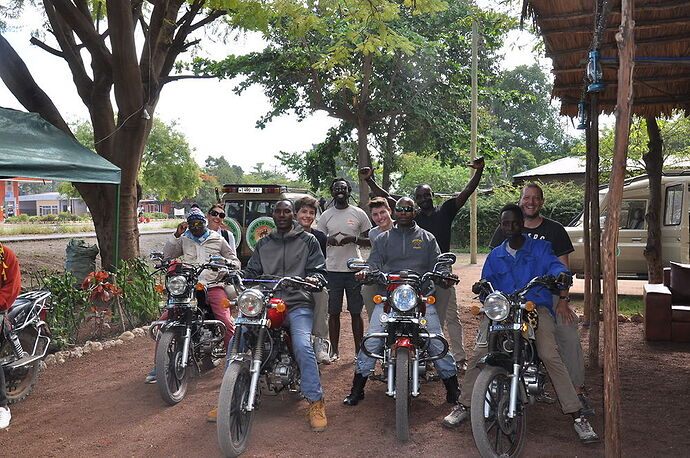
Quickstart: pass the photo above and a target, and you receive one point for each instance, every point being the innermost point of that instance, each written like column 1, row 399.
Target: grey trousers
column 447, row 306
column 320, row 325
column 368, row 293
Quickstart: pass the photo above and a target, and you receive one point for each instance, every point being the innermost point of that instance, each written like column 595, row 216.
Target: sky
column 214, row 119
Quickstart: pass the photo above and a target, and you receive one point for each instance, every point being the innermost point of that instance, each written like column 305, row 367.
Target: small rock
column 623, row 319
column 139, row 332
column 118, row 342
column 108, row 344
column 637, row 318
column 64, row 354
column 127, row 335
column 42, row 365
column 97, row 346
column 60, row 360
column 50, row 360
column 78, row 352
column 146, row 328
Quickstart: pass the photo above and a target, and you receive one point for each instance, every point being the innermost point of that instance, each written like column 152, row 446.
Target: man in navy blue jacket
column 509, row 267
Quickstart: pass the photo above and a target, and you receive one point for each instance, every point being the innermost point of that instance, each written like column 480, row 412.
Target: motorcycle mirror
column 216, row 259
column 446, row 259
column 156, row 256
column 357, row 264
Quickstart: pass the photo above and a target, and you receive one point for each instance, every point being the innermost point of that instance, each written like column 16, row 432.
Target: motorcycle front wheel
column 495, row 434
column 171, row 374
column 234, row 423
column 20, row 382
column 402, row 394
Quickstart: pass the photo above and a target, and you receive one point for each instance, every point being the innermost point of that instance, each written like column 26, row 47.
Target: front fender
column 497, row 359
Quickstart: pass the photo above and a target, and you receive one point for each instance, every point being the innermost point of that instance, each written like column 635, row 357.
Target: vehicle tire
column 20, row 382
column 234, row 423
column 495, row 434
column 172, row 376
column 402, row 394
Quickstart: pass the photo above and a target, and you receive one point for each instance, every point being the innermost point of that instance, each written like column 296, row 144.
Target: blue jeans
column 300, row 322
column 365, row 365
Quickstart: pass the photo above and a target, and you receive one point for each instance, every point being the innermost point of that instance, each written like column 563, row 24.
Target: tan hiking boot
column 212, row 415
column 317, row 415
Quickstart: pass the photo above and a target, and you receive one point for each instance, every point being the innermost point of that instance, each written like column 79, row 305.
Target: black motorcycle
column 512, row 375
column 189, row 335
column 24, row 342
column 405, row 355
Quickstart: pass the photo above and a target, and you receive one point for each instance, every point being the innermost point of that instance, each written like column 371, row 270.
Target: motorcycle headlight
column 404, row 298
column 251, row 302
column 496, row 307
column 176, row 285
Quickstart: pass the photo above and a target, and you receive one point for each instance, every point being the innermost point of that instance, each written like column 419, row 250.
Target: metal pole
column 116, row 230
column 473, row 147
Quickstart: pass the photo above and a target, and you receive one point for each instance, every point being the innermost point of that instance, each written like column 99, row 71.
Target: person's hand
column 332, row 241
column 180, row 229
column 361, row 275
column 313, row 281
column 565, row 313
column 450, row 283
column 365, row 173
column 347, row 239
column 477, row 164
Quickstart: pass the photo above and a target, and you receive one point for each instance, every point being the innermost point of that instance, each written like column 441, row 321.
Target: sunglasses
column 197, row 223
column 215, row 213
column 404, row 209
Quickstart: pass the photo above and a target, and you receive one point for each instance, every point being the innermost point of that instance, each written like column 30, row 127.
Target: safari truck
column 632, row 235
column 249, row 212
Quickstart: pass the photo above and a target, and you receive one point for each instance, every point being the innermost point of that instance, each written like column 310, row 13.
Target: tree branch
column 170, row 79
column 212, row 16
column 45, row 47
column 129, row 93
column 84, row 29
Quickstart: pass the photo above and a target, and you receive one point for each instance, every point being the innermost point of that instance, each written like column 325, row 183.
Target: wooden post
column 473, row 144
column 653, row 163
column 625, row 39
column 585, row 225
column 595, row 234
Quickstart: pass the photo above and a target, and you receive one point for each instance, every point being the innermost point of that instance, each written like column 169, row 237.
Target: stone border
column 61, row 357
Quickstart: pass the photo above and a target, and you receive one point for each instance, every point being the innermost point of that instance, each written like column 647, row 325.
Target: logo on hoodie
column 416, row 244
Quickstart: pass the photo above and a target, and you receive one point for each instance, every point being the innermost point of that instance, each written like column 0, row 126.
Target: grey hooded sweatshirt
column 404, row 248
column 294, row 253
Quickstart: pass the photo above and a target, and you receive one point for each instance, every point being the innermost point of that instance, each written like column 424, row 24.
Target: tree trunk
column 653, row 163
column 389, row 153
column 363, row 159
column 595, row 235
column 625, row 39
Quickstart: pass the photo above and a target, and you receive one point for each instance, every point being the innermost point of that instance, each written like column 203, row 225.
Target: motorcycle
column 512, row 375
column 24, row 342
column 189, row 336
column 268, row 366
column 405, row 356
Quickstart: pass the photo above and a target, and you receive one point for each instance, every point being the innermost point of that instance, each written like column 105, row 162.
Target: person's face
column 404, row 212
column 197, row 227
column 511, row 225
column 423, row 196
column 216, row 215
column 306, row 216
column 282, row 216
column 339, row 191
column 381, row 216
column 531, row 202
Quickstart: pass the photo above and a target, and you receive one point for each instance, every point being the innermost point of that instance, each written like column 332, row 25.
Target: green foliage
column 416, row 169
column 563, row 202
column 67, row 216
column 69, row 304
column 139, row 298
column 156, row 215
column 630, row 305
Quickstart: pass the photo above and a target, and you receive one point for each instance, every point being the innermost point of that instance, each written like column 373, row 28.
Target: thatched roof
column 661, row 79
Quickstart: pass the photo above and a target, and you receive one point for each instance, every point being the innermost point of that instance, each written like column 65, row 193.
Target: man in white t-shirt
column 344, row 225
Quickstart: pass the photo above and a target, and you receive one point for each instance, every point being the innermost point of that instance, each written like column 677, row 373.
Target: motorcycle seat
column 19, row 307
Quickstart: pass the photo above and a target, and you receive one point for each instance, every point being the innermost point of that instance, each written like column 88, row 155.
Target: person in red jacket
column 10, row 284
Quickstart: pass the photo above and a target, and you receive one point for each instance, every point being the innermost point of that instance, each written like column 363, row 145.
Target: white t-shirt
column 347, row 221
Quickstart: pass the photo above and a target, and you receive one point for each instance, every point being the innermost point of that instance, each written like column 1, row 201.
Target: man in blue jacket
column 509, row 267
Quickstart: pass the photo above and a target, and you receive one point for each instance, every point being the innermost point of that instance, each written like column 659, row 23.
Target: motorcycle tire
column 402, row 394
column 20, row 382
column 172, row 377
column 234, row 422
column 495, row 434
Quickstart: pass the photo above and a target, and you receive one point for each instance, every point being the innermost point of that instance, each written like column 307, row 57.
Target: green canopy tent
column 32, row 147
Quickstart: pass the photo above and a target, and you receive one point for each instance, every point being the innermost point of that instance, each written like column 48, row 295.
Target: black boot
column 357, row 391
column 452, row 389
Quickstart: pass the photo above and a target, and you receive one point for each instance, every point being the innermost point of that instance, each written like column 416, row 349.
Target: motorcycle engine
column 282, row 373
column 534, row 380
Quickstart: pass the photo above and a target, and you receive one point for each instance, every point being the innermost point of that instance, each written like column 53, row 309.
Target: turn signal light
column 430, row 300
column 226, row 303
column 279, row 304
column 160, row 288
column 529, row 306
column 199, row 287
column 475, row 310
column 378, row 299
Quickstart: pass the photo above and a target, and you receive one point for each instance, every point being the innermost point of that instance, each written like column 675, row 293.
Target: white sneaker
column 5, row 417
column 456, row 416
column 321, row 349
column 584, row 431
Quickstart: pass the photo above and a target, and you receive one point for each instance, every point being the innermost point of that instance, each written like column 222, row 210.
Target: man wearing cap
column 195, row 244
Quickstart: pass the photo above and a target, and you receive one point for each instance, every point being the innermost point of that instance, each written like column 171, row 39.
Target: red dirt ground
column 99, row 406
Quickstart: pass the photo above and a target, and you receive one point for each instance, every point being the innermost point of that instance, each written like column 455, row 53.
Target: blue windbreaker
column 508, row 274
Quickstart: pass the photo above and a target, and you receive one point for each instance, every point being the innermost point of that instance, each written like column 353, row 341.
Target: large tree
column 120, row 53
column 367, row 62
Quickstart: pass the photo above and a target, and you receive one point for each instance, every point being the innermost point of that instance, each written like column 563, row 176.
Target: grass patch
column 630, row 305
column 480, row 249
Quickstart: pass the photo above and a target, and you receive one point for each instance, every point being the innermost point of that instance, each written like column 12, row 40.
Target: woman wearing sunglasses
column 216, row 214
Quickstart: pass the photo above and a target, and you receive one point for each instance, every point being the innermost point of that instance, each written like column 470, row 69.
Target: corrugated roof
column 565, row 165
column 42, row 196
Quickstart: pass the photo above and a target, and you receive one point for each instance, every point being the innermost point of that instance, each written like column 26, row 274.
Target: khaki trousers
column 447, row 307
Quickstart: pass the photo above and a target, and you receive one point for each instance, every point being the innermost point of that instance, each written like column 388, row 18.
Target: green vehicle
column 249, row 212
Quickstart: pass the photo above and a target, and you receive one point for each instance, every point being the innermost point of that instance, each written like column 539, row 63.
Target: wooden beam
column 644, row 41
column 646, row 79
column 646, row 25
column 614, row 63
column 595, row 233
column 588, row 13
column 671, row 100
column 625, row 40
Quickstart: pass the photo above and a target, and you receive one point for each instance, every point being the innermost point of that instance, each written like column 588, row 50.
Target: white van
column 632, row 236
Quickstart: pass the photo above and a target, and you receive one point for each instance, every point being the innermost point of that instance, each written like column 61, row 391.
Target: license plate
column 249, row 190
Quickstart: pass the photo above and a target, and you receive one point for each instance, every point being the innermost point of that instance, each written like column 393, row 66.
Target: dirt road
column 99, row 406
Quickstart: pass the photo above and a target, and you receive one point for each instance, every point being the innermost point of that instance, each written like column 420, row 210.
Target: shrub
column 18, row 219
column 563, row 202
column 156, row 215
column 67, row 216
column 48, row 218
column 139, row 298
